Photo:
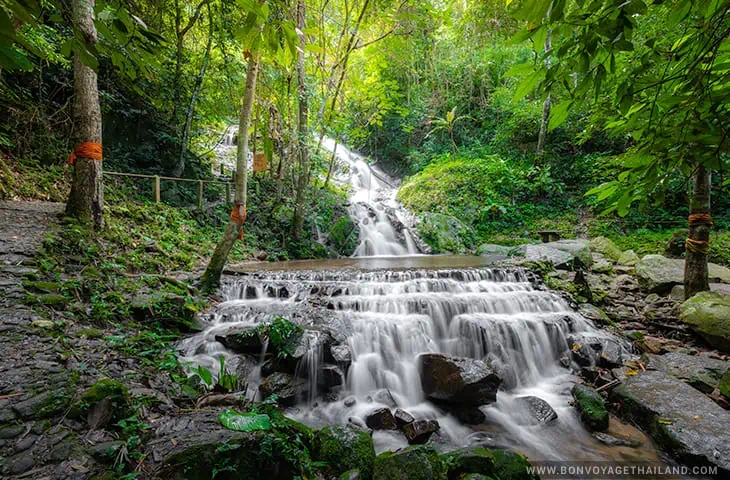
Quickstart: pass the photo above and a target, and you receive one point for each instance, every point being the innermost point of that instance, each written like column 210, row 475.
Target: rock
column 42, row 324
column 591, row 312
column 402, row 418
column 342, row 355
column 247, row 340
column 536, row 410
column 629, row 257
column 724, row 384
column 385, row 397
column 168, row 308
column 659, row 274
column 689, row 425
column 420, row 431
column 444, row 233
column 591, row 406
column 602, row 266
column 606, row 247
column 708, row 313
column 288, row 388
column 381, row 419
column 492, row 463
column 579, row 249
column 542, row 253
column 261, row 255
column 468, row 415
column 330, row 376
column 677, row 293
column 653, row 345
column 344, row 449
column 694, row 369
column 613, row 441
column 492, row 249
column 461, row 381
column 589, row 349
column 418, row 462
column 675, row 245
column 350, row 401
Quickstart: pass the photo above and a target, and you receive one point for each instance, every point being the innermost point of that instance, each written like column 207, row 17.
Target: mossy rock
column 591, row 406
column 344, row 449
column 445, row 234
column 344, row 236
column 41, row 286
column 170, row 309
column 606, row 247
column 114, row 393
column 724, row 385
column 629, row 257
column 708, row 313
column 421, row 462
column 53, row 300
column 501, row 464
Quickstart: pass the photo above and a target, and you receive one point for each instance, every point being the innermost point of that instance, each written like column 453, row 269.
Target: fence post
column 228, row 192
column 156, row 189
column 200, row 194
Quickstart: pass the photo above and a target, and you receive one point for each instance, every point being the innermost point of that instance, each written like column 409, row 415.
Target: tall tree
column 303, row 136
column 542, row 136
column 86, row 200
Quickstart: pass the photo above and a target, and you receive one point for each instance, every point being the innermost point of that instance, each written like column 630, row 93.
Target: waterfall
column 386, row 319
column 384, row 224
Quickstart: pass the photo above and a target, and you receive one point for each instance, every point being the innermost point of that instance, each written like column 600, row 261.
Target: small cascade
column 373, row 327
column 385, row 226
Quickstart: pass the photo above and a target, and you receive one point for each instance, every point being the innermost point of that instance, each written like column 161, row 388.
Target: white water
column 371, row 200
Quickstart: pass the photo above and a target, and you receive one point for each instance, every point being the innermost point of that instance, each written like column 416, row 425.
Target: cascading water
column 380, row 322
column 382, row 220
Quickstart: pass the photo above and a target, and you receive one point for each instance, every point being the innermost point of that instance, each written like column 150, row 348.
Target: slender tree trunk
column 212, row 276
column 302, row 133
column 545, row 108
column 698, row 244
column 333, row 160
column 86, row 200
column 180, row 167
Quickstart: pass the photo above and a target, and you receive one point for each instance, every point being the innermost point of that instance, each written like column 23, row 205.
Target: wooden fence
column 156, row 185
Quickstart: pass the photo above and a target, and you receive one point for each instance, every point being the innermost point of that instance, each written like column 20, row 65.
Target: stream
column 369, row 320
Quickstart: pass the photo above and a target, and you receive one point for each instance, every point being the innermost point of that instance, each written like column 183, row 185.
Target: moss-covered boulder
column 708, row 313
column 591, row 406
column 580, row 250
column 724, row 385
column 344, row 449
column 629, row 257
column 344, row 236
column 606, row 247
column 445, row 234
column 421, row 462
column 501, row 464
column 106, row 401
column 659, row 274
column 170, row 309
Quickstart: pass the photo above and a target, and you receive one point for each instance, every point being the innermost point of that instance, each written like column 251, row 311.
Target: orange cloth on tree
column 698, row 218
column 90, row 150
column 238, row 215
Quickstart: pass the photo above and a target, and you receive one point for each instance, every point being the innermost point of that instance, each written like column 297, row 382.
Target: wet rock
column 288, row 388
column 542, row 253
column 605, row 247
column 535, row 410
column 350, row 401
column 330, row 376
column 708, row 313
column 493, row 463
column 342, row 355
column 418, row 462
column 468, row 415
column 594, row 313
column 614, row 441
column 385, row 397
column 689, row 425
column 402, row 418
column 698, row 370
column 247, row 340
column 591, row 406
column 461, row 381
column 579, row 249
column 381, row 419
column 590, row 349
column 419, row 431
column 344, row 449
column 659, row 274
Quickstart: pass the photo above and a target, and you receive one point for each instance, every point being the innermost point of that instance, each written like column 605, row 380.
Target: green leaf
column 528, row 85
column 559, row 114
column 245, row 422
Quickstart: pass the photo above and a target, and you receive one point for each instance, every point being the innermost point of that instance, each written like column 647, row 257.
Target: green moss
column 606, row 247
column 708, row 313
column 724, row 385
column 344, row 236
column 52, row 300
column 501, row 464
column 106, row 388
column 90, row 333
column 41, row 286
column 421, row 462
column 343, row 449
column 591, row 406
column 445, row 234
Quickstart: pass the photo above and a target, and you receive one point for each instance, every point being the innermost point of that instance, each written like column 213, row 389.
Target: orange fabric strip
column 90, row 150
column 238, row 215
column 700, row 218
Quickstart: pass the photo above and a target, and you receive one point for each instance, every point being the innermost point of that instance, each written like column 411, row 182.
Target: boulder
column 418, row 462
column 492, row 463
column 381, row 419
column 589, row 349
column 330, row 376
column 629, row 257
column 606, row 247
column 535, row 410
column 420, row 431
column 708, row 313
column 602, row 266
column 344, row 449
column 580, row 250
column 687, row 423
column 659, row 274
column 543, row 254
column 247, row 340
column 492, row 249
column 444, row 233
column 385, row 397
column 288, row 388
column 591, row 406
column 403, row 418
column 167, row 308
column 593, row 313
column 690, row 368
column 460, row 381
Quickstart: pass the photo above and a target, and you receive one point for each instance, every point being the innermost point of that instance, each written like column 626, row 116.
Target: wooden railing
column 156, row 184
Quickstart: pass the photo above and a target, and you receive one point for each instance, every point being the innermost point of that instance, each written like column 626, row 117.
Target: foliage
column 244, row 422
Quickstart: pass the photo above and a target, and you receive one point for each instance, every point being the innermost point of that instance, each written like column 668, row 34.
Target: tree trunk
column 333, row 161
column 212, row 276
column 86, row 201
column 545, row 108
column 180, row 167
column 698, row 244
column 302, row 133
